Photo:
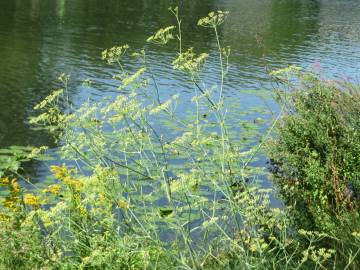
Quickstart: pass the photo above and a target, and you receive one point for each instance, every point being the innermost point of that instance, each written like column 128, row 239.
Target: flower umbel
column 162, row 36
column 213, row 19
column 114, row 54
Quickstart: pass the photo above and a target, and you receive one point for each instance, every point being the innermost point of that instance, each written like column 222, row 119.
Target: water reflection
column 39, row 39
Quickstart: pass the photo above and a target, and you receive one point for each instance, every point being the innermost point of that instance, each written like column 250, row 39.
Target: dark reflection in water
column 39, row 39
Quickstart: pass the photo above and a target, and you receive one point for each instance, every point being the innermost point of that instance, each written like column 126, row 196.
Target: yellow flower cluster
column 73, row 183
column 11, row 202
column 213, row 19
column 82, row 211
column 102, row 196
column 189, row 62
column 4, row 217
column 115, row 53
column 59, row 172
column 31, row 199
column 256, row 244
column 162, row 36
column 4, row 180
column 13, row 184
column 65, row 175
column 123, row 204
column 53, row 189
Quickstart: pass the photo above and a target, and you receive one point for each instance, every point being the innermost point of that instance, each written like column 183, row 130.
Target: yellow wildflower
column 253, row 247
column 11, row 203
column 47, row 221
column 65, row 175
column 54, row 189
column 12, row 200
column 59, row 172
column 31, row 199
column 4, row 180
column 4, row 217
column 102, row 196
column 82, row 211
column 123, row 204
column 15, row 186
column 76, row 184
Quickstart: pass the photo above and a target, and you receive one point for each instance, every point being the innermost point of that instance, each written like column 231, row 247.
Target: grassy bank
column 182, row 193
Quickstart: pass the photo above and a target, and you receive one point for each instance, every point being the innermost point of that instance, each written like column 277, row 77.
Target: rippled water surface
column 39, row 39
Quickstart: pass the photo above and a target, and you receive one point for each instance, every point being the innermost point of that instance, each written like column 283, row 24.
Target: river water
column 40, row 39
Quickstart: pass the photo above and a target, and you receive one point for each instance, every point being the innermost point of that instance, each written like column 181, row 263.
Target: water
column 40, row 39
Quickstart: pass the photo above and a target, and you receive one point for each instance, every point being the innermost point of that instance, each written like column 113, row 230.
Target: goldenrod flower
column 76, row 184
column 4, row 180
column 54, row 189
column 65, row 175
column 31, row 199
column 59, row 172
column 15, row 186
column 11, row 203
column 4, row 217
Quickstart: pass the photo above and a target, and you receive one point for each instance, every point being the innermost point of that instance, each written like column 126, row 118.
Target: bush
column 315, row 154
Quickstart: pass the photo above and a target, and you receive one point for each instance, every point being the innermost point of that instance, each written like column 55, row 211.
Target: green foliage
column 11, row 158
column 316, row 155
column 139, row 195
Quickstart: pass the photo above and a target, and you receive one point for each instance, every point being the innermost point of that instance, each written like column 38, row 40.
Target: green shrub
column 315, row 154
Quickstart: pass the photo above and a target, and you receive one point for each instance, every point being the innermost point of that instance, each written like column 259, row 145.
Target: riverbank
column 144, row 185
